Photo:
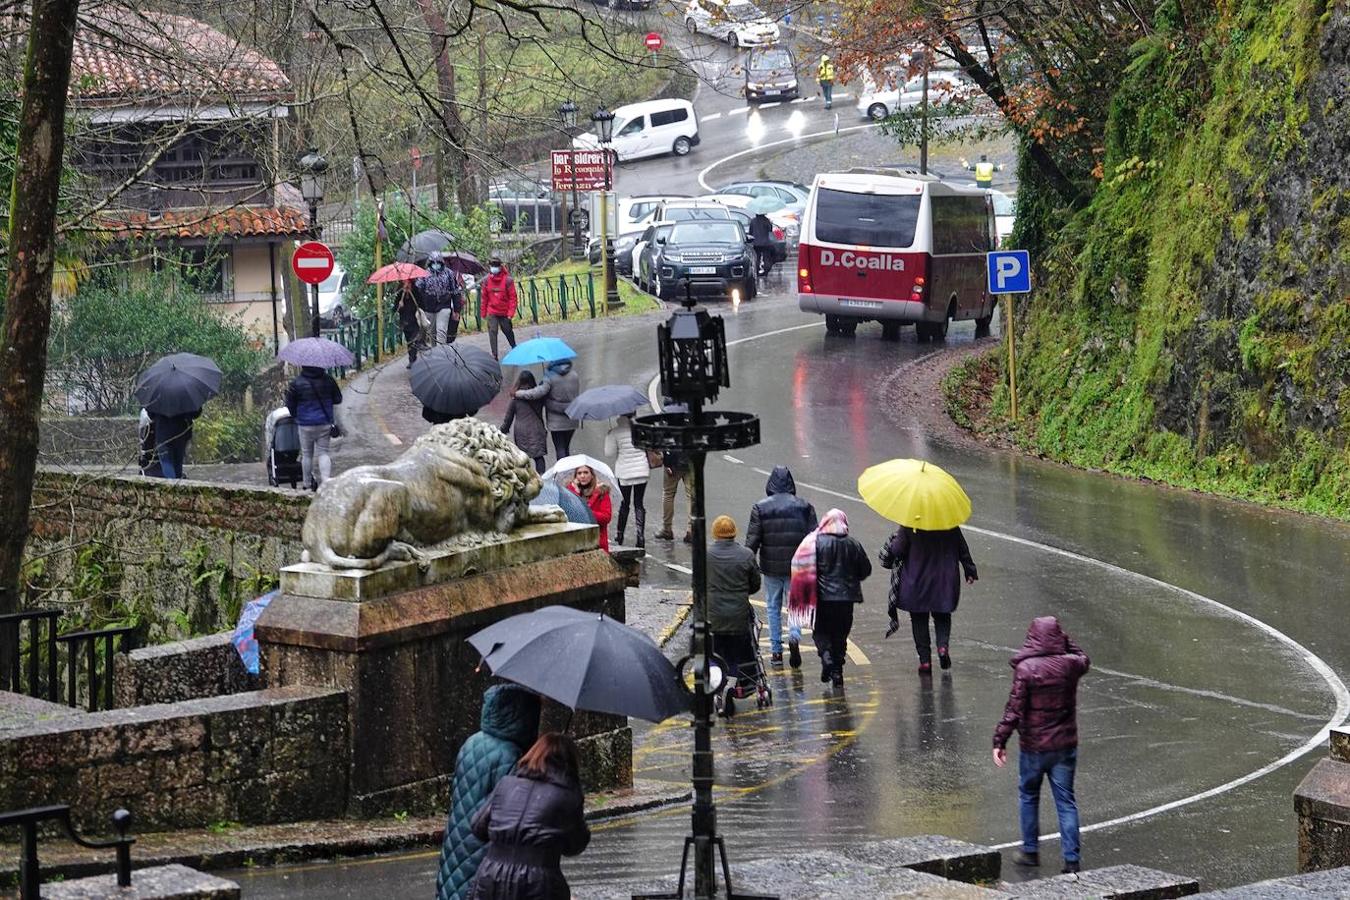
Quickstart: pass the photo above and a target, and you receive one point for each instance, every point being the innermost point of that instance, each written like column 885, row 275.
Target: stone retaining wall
column 268, row 756
column 161, row 550
column 183, row 670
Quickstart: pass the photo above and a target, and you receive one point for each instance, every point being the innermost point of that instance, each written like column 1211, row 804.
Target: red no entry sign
column 653, row 41
column 312, row 262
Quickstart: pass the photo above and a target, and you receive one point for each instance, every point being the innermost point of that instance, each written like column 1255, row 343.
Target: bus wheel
column 982, row 326
column 890, row 331
column 831, row 324
column 848, row 327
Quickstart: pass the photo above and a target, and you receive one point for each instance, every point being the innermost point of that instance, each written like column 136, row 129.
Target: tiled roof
column 124, row 54
column 237, row 222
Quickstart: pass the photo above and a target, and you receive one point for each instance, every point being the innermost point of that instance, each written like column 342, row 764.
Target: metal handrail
column 90, row 639
column 27, row 821
column 12, row 651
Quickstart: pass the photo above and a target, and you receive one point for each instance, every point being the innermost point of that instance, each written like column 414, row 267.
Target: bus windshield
column 870, row 220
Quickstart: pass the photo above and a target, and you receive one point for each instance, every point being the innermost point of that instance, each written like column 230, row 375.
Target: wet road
column 1216, row 632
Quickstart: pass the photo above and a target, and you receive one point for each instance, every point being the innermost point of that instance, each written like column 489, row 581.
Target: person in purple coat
column 926, row 569
column 1043, row 709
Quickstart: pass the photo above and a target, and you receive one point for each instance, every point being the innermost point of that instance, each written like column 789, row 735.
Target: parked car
column 710, row 256
column 526, row 204
column 770, row 74
column 738, row 22
column 333, row 303
column 647, row 255
column 650, row 128
column 632, row 216
column 792, row 194
column 785, row 223
column 876, row 102
column 686, row 210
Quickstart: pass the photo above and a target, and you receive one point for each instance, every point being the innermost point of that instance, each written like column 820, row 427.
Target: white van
column 649, row 129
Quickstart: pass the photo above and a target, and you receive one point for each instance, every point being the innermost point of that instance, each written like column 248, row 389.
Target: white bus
column 894, row 246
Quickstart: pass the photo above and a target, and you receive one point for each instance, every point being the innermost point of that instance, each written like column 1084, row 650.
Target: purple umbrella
column 320, row 352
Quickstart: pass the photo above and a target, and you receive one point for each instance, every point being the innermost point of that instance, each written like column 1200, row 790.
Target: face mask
column 495, row 270
column 436, row 267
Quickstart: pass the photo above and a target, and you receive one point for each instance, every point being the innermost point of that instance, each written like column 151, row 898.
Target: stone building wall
column 177, row 556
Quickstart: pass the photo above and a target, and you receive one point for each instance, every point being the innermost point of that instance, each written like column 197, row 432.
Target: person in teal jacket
column 507, row 727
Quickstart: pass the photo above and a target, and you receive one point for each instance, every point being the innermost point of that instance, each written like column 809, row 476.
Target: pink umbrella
column 399, row 271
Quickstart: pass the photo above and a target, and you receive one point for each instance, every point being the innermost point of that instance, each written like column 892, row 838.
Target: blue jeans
column 775, row 594
column 1058, row 766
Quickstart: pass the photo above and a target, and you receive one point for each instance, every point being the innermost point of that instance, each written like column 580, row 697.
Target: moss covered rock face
column 1193, row 322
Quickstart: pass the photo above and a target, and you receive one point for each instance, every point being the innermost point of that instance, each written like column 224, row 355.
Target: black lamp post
column 312, row 166
column 568, row 113
column 693, row 353
column 604, row 129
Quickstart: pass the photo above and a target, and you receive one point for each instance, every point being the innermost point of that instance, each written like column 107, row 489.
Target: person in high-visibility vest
column 984, row 171
column 825, row 74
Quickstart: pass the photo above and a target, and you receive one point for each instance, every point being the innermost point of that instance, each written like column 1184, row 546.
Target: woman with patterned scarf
column 827, row 574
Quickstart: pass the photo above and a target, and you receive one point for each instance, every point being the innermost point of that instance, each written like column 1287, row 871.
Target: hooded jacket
column 559, row 388
column 630, row 463
column 1043, row 703
column 508, row 725
column 531, row 824
column 311, row 396
column 438, row 290
column 778, row 523
column 498, row 294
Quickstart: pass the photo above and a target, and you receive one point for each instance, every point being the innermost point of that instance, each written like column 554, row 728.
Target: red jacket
column 600, row 506
column 1043, row 704
column 499, row 295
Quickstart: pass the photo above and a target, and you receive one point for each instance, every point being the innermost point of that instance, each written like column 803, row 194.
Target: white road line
column 1312, row 660
column 738, row 111
column 678, row 568
column 393, row 439
column 703, row 175
column 731, row 459
column 802, row 100
column 771, row 105
column 841, row 96
column 709, row 118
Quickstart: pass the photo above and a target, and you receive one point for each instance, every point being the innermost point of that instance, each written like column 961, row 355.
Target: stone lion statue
column 462, row 477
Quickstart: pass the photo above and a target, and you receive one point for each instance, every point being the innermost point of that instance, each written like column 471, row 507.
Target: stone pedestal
column 394, row 640
column 1322, row 802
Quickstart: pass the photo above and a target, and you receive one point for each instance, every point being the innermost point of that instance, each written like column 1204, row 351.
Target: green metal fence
column 541, row 299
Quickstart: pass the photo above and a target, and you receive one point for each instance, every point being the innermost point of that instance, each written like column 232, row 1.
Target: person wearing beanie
column 733, row 576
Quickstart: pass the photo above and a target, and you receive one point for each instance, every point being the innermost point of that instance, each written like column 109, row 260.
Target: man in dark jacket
column 777, row 525
column 732, row 578
column 841, row 567
column 440, row 293
column 172, row 434
column 761, row 237
column 1043, row 708
column 508, row 724
column 676, row 471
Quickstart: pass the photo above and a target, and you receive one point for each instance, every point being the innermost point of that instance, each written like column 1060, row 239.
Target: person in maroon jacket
column 1043, row 708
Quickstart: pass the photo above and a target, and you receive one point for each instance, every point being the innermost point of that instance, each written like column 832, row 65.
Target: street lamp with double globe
column 312, row 166
column 604, row 129
column 568, row 113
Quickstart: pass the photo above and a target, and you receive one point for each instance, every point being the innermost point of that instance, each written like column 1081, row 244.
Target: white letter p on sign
column 1008, row 267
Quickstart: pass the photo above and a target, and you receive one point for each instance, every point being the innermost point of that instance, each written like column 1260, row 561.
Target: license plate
column 703, row 270
column 861, row 304
column 773, row 92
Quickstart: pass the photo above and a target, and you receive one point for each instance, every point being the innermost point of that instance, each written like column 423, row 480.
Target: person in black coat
column 171, row 436
column 841, row 567
column 534, row 818
column 777, row 525
column 761, row 237
column 926, row 569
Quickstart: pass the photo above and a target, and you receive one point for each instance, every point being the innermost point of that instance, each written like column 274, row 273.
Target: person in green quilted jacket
column 507, row 727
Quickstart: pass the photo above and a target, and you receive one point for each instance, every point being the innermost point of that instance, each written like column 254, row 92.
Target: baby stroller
column 283, row 448
column 752, row 680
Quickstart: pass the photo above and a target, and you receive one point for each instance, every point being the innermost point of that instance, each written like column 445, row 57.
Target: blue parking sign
column 1009, row 272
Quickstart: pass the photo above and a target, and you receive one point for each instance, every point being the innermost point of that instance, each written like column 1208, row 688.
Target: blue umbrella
column 538, row 350
column 244, row 641
column 765, row 205
column 316, row 351
column 573, row 506
column 606, row 402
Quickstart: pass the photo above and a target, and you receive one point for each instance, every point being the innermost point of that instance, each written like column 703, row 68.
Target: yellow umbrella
column 915, row 493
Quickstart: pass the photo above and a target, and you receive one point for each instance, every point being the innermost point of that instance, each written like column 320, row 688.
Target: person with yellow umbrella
column 928, row 554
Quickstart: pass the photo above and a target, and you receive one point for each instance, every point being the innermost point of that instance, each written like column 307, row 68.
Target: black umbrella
column 573, row 506
column 455, row 380
column 416, row 248
column 178, row 384
column 463, row 262
column 606, row 402
column 585, row 661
